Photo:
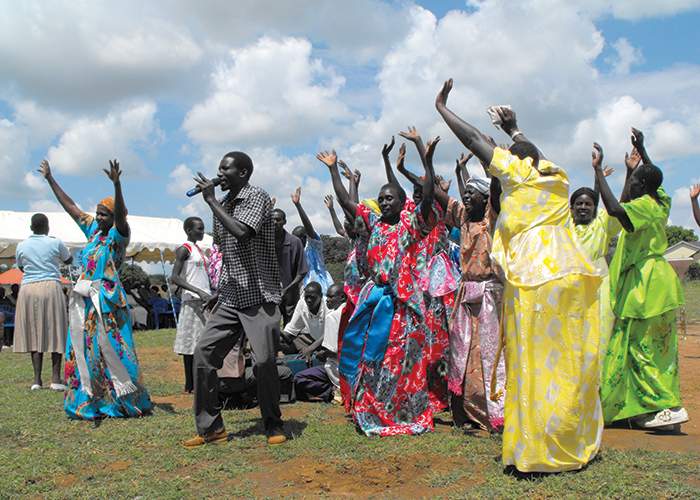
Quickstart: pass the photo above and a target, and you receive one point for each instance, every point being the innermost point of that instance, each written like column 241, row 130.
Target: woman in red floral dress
column 384, row 355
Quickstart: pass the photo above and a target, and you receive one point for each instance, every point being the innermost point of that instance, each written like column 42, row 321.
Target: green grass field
column 43, row 454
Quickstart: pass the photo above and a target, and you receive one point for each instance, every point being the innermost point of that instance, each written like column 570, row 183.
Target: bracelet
column 517, row 132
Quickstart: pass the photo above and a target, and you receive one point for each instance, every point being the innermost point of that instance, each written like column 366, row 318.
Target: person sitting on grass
column 313, row 247
column 190, row 274
column 640, row 371
column 305, row 330
column 320, row 381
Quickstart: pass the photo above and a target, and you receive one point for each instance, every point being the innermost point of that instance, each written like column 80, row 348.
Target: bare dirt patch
column 689, row 438
column 408, row 476
column 66, row 480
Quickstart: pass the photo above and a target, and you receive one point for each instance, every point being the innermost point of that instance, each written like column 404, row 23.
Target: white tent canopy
column 149, row 235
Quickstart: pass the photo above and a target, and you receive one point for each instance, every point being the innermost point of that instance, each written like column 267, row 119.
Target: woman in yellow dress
column 595, row 229
column 553, row 418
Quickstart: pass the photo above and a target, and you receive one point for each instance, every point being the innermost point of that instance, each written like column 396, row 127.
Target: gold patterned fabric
column 553, row 418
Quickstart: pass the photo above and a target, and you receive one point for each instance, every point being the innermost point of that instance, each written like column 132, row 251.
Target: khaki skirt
column 41, row 318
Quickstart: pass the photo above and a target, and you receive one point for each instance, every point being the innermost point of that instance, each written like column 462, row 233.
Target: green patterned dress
column 640, row 369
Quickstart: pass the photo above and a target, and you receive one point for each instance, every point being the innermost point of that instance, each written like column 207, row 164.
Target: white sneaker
column 663, row 418
column 35, row 387
column 58, row 387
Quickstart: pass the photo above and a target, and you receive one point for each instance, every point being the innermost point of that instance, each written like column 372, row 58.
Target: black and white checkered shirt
column 250, row 273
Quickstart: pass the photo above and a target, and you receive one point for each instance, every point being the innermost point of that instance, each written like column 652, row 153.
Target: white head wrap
column 481, row 184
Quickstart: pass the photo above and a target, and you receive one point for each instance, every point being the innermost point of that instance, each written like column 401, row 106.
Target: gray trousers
column 261, row 325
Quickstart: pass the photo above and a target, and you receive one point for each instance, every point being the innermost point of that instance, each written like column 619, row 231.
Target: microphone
column 196, row 190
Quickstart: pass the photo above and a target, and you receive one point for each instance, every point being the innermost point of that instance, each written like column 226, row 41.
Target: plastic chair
column 9, row 315
column 159, row 307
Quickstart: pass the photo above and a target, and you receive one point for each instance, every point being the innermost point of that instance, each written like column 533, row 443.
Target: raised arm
column 63, row 199
column 462, row 173
column 412, row 135
column 401, row 167
column 353, row 180
column 638, row 143
column 607, row 172
column 509, row 124
column 390, row 175
column 469, row 135
column 694, row 192
column 632, row 161
column 328, row 200
column 330, row 159
column 114, row 173
column 429, row 181
column 611, row 204
column 308, row 226
column 239, row 230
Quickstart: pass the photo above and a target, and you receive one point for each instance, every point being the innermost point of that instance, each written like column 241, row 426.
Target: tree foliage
column 133, row 277
column 676, row 234
column 335, row 248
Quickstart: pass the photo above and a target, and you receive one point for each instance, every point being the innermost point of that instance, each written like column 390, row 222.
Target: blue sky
column 168, row 91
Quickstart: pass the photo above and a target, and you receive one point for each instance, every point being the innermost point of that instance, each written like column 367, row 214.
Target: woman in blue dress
column 101, row 368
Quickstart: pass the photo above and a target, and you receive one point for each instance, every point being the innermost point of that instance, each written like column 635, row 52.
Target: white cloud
column 88, row 143
column 681, row 209
column 626, row 56
column 180, row 180
column 45, row 206
column 274, row 92
column 77, row 54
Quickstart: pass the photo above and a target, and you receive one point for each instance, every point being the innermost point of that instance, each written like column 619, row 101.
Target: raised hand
column 637, row 139
column 114, row 171
column 443, row 183
column 508, row 120
column 633, row 159
column 441, row 99
column 296, row 196
column 328, row 158
column 357, row 175
column 388, row 147
column 608, row 171
column 462, row 161
column 345, row 170
column 411, row 134
column 273, row 201
column 401, row 158
column 430, row 148
column 596, row 156
column 44, row 169
column 694, row 191
column 206, row 185
column 328, row 200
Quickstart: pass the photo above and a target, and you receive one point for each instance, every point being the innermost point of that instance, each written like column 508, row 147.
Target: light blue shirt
column 40, row 256
column 317, row 266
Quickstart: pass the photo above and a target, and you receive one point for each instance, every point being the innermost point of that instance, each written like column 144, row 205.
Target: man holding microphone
column 248, row 298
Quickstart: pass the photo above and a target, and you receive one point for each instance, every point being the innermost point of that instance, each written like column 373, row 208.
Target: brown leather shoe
column 276, row 436
column 212, row 437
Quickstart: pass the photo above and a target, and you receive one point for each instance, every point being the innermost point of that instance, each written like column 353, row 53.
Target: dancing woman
column 383, row 358
column 474, row 324
column 101, row 369
column 640, row 369
column 552, row 415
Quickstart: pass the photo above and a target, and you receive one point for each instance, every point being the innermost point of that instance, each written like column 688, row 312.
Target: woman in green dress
column 640, row 371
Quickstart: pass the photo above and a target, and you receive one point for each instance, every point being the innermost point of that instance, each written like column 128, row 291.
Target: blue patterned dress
column 109, row 382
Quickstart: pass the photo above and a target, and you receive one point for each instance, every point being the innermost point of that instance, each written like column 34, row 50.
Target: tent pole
column 167, row 282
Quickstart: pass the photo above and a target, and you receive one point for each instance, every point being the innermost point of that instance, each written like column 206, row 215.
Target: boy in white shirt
column 319, row 381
